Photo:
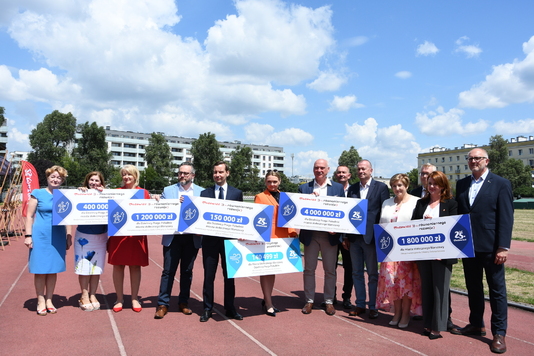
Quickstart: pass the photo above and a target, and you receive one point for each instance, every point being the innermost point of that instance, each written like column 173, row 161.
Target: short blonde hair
column 62, row 171
column 133, row 171
column 400, row 177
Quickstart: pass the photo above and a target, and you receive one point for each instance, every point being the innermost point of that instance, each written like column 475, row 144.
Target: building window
column 465, row 167
column 115, row 144
column 450, row 159
column 127, row 145
column 436, row 160
column 450, row 168
column 520, row 152
column 457, row 158
column 510, row 153
column 442, row 159
column 141, row 147
column 531, row 150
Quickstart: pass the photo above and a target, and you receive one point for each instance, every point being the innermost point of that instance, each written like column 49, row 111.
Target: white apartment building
column 453, row 162
column 128, row 147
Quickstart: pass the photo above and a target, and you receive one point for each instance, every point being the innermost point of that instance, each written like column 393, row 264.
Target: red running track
column 74, row 332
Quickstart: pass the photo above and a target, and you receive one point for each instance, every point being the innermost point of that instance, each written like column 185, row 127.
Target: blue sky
column 391, row 78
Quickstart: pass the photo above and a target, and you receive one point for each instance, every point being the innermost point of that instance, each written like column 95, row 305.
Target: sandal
column 96, row 305
column 41, row 312
column 86, row 307
column 116, row 307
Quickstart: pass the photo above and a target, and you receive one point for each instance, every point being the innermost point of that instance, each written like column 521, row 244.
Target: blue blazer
column 492, row 212
column 172, row 192
column 334, row 190
column 378, row 192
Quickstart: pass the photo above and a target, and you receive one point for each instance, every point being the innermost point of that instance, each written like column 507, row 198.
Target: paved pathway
column 72, row 331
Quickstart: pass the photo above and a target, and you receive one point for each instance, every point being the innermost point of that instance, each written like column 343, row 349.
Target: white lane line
column 114, row 327
column 252, row 338
column 381, row 336
column 14, row 284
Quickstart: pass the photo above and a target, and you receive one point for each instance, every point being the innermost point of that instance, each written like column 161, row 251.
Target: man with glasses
column 488, row 199
column 178, row 248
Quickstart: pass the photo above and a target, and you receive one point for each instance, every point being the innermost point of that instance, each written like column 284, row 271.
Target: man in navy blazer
column 213, row 247
column 362, row 247
column 178, row 248
column 320, row 241
column 488, row 199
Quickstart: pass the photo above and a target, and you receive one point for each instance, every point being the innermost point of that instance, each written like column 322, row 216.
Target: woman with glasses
column 435, row 274
column 271, row 196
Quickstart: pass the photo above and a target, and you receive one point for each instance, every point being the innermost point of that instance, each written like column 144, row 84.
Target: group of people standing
column 404, row 288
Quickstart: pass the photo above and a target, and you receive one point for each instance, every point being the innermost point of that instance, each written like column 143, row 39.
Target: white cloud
column 441, row 123
column 390, row 149
column 119, row 60
column 265, row 134
column 427, row 49
column 304, row 160
column 509, row 83
column 469, row 50
column 519, row 127
column 17, row 136
column 403, row 74
column 344, row 103
column 327, row 81
column 356, row 41
column 272, row 40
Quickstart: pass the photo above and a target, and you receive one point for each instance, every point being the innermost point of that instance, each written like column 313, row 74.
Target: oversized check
column 135, row 217
column 415, row 240
column 310, row 212
column 226, row 218
column 74, row 207
column 256, row 258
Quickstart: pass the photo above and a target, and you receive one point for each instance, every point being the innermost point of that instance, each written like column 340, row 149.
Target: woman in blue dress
column 47, row 243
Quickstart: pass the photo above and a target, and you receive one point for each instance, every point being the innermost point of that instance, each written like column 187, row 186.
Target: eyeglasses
column 476, row 159
column 184, row 173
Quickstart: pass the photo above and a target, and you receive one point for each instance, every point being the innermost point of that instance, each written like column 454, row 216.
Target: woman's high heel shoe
column 267, row 311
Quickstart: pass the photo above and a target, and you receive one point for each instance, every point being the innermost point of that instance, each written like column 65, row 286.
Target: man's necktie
column 221, row 193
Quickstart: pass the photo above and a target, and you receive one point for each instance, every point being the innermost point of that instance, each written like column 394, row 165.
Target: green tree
column 91, row 150
column 510, row 168
column 2, row 118
column 205, row 151
column 498, row 151
column 152, row 181
column 244, row 174
column 159, row 157
column 51, row 138
column 76, row 171
column 414, row 176
column 285, row 184
column 350, row 159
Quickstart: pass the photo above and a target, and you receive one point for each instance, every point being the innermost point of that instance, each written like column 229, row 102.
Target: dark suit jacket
column 417, row 191
column 231, row 194
column 447, row 208
column 334, row 190
column 492, row 212
column 378, row 192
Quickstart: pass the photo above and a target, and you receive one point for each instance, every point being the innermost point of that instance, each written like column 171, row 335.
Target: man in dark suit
column 343, row 176
column 213, row 247
column 426, row 169
column 179, row 249
column 320, row 241
column 489, row 201
column 362, row 247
